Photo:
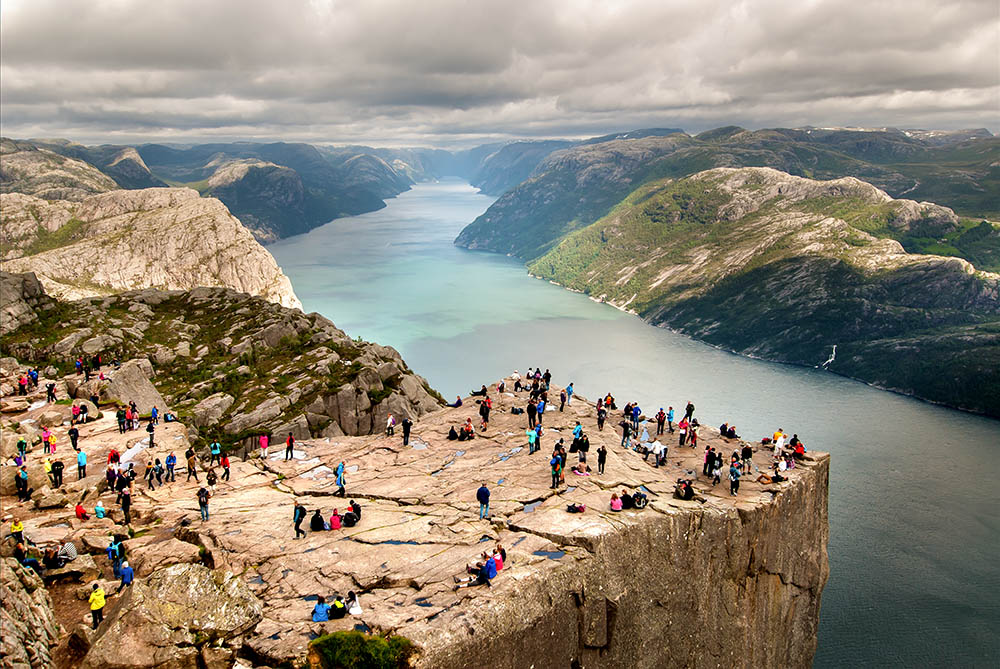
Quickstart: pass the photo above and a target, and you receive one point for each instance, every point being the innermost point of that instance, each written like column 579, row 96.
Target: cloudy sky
column 459, row 72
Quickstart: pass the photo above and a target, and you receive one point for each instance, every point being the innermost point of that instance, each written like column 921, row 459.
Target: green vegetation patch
column 67, row 233
column 354, row 650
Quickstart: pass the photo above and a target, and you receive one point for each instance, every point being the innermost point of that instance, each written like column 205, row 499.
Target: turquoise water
column 914, row 499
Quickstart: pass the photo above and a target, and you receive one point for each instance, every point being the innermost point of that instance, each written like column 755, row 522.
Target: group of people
column 485, row 570
column 350, row 518
column 339, row 608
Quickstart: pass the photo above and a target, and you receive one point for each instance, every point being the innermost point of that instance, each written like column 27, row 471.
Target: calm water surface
column 914, row 494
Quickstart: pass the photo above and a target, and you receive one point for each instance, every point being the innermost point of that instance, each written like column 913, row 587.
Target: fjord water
column 914, row 493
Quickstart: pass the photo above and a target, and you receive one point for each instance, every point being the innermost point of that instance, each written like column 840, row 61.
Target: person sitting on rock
column 81, row 512
column 21, row 555
column 49, row 559
column 628, row 502
column 457, row 403
column 479, row 393
column 452, row 434
column 481, row 574
column 349, row 519
column 353, row 604
column 356, row 508
column 499, row 555
column 334, row 520
column 774, row 478
column 316, row 523
column 99, row 511
column 616, row 502
column 321, row 612
column 339, row 609
column 684, row 490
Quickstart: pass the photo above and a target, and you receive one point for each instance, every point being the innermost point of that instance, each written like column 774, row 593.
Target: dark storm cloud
column 461, row 71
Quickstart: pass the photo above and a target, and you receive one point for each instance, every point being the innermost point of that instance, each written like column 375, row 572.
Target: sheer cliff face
column 122, row 240
column 695, row 586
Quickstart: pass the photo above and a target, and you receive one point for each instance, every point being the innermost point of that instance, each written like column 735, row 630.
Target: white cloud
column 456, row 71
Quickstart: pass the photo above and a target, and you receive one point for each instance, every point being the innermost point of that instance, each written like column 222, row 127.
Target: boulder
column 208, row 411
column 50, row 499
column 27, row 619
column 13, row 404
column 130, row 384
column 167, row 619
column 52, row 417
column 83, row 570
column 274, row 333
column 147, row 559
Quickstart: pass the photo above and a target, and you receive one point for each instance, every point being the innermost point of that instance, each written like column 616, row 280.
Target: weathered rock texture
column 28, row 622
column 168, row 238
column 27, row 169
column 21, row 296
column 165, row 620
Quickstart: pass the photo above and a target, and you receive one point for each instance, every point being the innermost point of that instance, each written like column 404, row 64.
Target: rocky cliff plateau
column 127, row 239
column 717, row 580
column 785, row 268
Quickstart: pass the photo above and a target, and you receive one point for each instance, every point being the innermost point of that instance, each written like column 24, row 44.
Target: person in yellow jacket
column 97, row 605
column 47, row 465
column 17, row 531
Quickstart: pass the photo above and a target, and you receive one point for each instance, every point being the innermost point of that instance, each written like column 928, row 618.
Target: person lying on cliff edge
column 479, row 393
column 481, row 574
column 775, row 477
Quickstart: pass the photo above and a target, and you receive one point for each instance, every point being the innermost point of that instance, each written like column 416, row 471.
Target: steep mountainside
column 126, row 239
column 575, row 187
column 511, row 164
column 786, row 268
column 24, row 168
column 233, row 364
column 121, row 163
column 278, row 189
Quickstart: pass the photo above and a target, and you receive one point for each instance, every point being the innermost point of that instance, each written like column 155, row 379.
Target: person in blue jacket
column 483, row 497
column 321, row 612
column 481, row 574
column 127, row 577
column 171, row 463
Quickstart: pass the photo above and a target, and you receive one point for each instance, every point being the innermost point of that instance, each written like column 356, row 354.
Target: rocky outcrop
column 238, row 366
column 21, row 297
column 164, row 237
column 786, row 268
column 43, row 174
column 28, row 621
column 167, row 619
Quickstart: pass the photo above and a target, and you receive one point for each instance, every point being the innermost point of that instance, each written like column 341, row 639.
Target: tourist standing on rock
column 211, row 478
column 81, row 465
column 171, row 463
column 562, row 400
column 203, row 495
column 225, row 466
column 341, row 481
column 626, row 432
column 22, row 448
column 682, row 427
column 127, row 577
column 57, row 473
column 84, row 413
column 154, row 415
column 158, row 471
column 75, row 414
column 47, row 466
column 661, row 419
column 390, row 425
column 602, row 458
column 150, row 429
column 74, row 436
column 407, row 426
column 532, row 411
column 192, row 466
column 747, row 457
column 569, row 393
column 127, row 505
column 670, row 419
column 556, row 466
column 22, row 385
column 541, row 410
column 734, row 479
column 120, row 416
column 289, row 447
column 149, row 474
column 263, row 446
column 50, row 392
column 21, row 483
column 532, row 435
column 483, row 496
column 689, row 410
column 484, row 412
column 298, row 515
column 215, row 448
column 97, row 605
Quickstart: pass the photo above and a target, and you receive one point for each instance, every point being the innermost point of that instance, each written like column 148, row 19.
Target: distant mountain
column 121, row 163
column 501, row 170
column 786, row 268
column 26, row 168
column 576, row 186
